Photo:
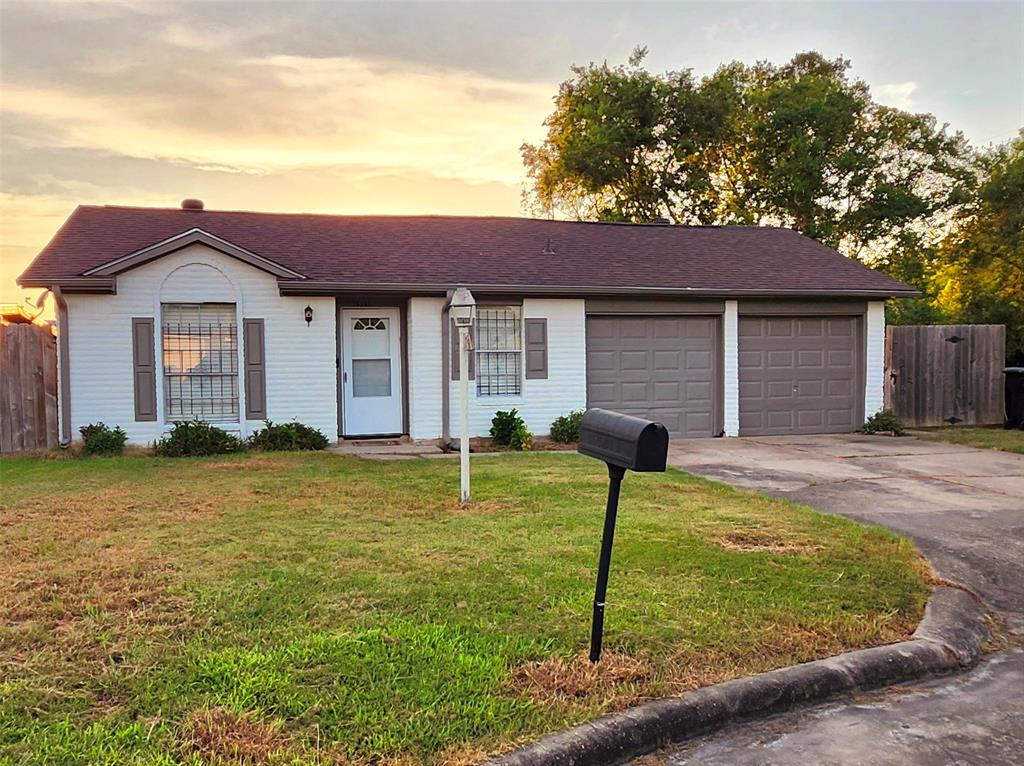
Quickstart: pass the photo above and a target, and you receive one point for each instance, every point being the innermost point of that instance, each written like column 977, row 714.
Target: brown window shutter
column 144, row 367
column 536, row 334
column 255, row 370
column 454, row 333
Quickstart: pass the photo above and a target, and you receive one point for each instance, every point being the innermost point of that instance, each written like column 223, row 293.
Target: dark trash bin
column 1014, row 398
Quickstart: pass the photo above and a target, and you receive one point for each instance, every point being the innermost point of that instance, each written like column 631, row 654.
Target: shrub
column 521, row 439
column 883, row 421
column 287, row 437
column 509, row 430
column 195, row 438
column 98, row 439
column 566, row 429
column 503, row 426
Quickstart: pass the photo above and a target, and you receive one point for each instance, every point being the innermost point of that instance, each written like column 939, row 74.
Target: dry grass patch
column 254, row 463
column 220, row 735
column 453, row 507
column 91, row 615
column 759, row 541
column 617, row 678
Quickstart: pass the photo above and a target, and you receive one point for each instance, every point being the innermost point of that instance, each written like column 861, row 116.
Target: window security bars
column 200, row 356
column 498, row 351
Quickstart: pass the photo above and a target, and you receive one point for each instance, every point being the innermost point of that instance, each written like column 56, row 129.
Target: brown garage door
column 798, row 375
column 657, row 367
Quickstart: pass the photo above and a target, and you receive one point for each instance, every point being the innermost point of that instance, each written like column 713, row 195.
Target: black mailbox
column 623, row 440
column 624, row 443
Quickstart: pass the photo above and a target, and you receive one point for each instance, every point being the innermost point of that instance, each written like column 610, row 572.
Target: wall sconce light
column 308, row 313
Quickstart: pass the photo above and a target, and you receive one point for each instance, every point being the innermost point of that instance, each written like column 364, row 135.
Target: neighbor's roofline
column 186, row 238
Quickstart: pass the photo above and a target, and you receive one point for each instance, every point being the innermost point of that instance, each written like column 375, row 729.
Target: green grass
column 1008, row 440
column 322, row 609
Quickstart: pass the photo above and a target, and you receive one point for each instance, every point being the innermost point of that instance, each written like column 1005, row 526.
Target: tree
column 619, row 144
column 979, row 274
column 799, row 145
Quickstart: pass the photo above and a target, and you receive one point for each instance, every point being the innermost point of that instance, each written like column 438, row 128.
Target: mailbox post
column 624, row 443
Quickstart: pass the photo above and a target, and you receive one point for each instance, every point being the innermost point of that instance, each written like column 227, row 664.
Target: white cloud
column 896, row 94
column 281, row 112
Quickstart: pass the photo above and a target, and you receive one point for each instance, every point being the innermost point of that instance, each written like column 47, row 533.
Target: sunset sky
column 402, row 108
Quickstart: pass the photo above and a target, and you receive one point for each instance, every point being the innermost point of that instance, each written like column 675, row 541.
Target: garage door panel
column 839, row 328
column 811, row 388
column 797, row 375
column 839, row 387
column 666, row 329
column 813, row 328
column 634, row 329
column 751, row 388
column 747, row 327
column 750, row 359
column 779, row 389
column 700, row 328
column 699, row 360
column 811, row 358
column 667, row 360
column 781, row 419
column 698, row 422
column 602, row 360
column 840, row 358
column 698, row 392
column 809, row 418
column 602, row 329
column 667, row 393
column 662, row 368
column 634, row 394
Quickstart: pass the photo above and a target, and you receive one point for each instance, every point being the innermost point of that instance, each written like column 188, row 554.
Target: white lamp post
column 463, row 310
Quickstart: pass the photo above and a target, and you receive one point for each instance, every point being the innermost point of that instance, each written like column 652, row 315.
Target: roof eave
column 330, row 287
column 74, row 284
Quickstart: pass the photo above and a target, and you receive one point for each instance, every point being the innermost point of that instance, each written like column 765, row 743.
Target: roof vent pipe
column 661, row 222
column 191, row 204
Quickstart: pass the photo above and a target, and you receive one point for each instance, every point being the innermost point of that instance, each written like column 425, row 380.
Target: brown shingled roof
column 442, row 250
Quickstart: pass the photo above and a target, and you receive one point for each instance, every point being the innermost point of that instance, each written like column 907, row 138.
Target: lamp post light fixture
column 463, row 311
column 308, row 314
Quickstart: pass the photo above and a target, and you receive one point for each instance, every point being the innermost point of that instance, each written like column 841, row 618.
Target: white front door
column 371, row 348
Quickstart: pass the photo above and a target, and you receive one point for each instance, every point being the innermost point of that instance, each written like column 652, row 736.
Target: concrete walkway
column 964, row 508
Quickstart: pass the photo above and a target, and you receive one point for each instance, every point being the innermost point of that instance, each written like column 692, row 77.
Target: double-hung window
column 200, row 356
column 499, row 356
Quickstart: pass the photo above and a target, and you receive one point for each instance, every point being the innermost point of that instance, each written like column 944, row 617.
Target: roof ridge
column 433, row 216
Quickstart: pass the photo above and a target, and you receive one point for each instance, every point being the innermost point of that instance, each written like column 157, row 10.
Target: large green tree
column 800, row 145
column 979, row 267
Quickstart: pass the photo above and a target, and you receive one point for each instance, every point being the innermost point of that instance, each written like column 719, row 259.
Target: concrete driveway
column 964, row 508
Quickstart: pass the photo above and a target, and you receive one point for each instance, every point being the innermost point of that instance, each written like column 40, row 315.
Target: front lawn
column 314, row 609
column 1009, row 440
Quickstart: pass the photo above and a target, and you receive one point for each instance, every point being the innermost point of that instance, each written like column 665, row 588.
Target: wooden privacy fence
column 28, row 388
column 940, row 375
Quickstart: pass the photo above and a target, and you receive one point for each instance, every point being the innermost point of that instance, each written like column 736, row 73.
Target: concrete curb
column 948, row 639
